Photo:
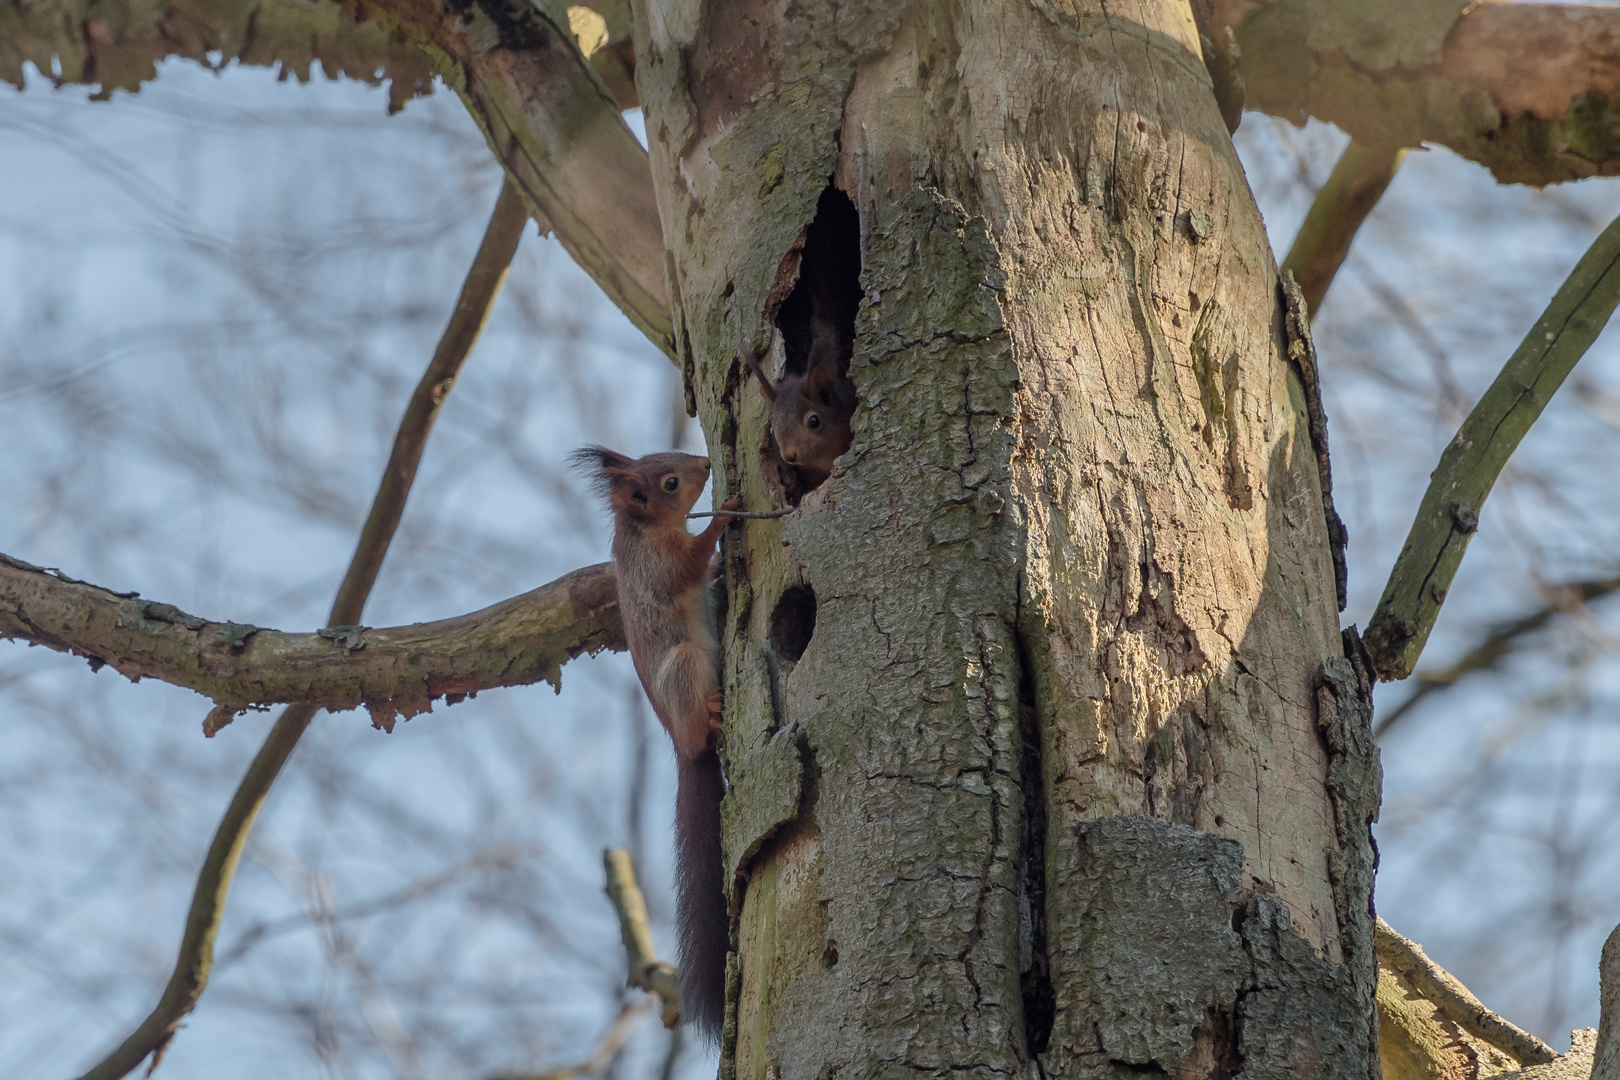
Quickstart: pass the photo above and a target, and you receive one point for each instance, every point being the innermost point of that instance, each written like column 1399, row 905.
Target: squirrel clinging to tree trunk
column 663, row 575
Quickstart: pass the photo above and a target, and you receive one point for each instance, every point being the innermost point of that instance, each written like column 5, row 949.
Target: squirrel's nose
column 705, row 462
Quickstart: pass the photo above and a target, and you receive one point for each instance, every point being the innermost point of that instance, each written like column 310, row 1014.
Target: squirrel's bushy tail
column 702, row 926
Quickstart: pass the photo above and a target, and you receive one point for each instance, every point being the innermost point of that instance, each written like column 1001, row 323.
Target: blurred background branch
column 1352, row 190
column 191, row 969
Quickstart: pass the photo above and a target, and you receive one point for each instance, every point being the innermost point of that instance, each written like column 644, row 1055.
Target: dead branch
column 393, row 672
column 1409, row 974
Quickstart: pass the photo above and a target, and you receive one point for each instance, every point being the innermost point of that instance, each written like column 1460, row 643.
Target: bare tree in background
column 1094, row 508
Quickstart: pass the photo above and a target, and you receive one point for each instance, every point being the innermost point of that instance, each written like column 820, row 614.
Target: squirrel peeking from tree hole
column 813, row 402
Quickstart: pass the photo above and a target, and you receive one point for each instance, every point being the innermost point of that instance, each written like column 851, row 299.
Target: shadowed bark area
column 1074, row 587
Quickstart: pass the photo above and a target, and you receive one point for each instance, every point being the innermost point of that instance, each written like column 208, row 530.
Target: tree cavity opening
column 793, row 622
column 813, row 305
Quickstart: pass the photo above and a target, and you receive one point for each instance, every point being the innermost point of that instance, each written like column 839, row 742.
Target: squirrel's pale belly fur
column 671, row 637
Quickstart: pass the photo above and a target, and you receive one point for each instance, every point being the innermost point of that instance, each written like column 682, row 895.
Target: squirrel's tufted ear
column 596, row 458
column 602, row 465
column 820, row 381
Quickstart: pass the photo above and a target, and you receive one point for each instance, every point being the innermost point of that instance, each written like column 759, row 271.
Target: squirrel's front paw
column 717, row 702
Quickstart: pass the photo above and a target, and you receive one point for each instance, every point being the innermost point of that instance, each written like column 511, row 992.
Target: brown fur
column 663, row 576
column 810, row 413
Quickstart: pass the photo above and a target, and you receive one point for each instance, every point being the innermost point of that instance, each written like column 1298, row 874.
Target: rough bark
column 393, row 672
column 1045, row 747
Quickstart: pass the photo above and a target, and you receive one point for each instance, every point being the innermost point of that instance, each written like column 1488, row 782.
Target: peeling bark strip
column 396, row 672
column 1302, row 355
column 1074, row 580
column 1355, row 781
column 117, row 46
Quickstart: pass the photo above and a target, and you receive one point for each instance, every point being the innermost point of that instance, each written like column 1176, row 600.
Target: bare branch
column 1526, row 89
column 473, row 305
column 1357, row 183
column 1449, row 514
column 1450, row 998
column 647, row 972
column 397, row 671
column 195, row 961
column 557, row 130
column 601, row 1056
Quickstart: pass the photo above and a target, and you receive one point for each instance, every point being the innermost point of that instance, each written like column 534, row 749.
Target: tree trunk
column 1044, row 748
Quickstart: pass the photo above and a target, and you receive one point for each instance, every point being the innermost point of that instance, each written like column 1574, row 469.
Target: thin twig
column 746, row 514
column 601, row 1056
column 1340, row 208
column 1441, row 989
column 1489, row 652
column 191, row 969
column 647, row 972
column 1449, row 514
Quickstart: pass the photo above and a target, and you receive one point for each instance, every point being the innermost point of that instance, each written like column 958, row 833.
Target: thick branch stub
column 1529, row 90
column 393, row 672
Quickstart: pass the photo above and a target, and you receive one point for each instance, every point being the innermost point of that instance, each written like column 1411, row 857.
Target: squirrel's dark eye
column 813, row 421
column 671, row 483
